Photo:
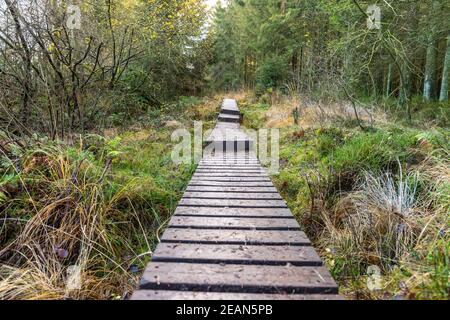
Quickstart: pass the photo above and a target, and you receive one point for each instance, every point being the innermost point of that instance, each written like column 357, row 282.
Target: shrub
column 270, row 74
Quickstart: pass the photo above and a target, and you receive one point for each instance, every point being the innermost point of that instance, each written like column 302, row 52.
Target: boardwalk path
column 232, row 235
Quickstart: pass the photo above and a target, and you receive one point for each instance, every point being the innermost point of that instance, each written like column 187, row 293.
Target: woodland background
column 86, row 114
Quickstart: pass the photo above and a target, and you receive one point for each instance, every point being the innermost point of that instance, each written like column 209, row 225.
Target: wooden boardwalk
column 232, row 236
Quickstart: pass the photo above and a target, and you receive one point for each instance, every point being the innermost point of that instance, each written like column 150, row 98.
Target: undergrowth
column 79, row 220
column 377, row 197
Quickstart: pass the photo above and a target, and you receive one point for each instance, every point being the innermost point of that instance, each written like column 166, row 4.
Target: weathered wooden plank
column 216, row 159
column 229, row 104
column 227, row 125
column 232, row 189
column 234, row 223
column 239, row 237
column 219, row 158
column 233, row 163
column 231, row 179
column 233, row 203
column 231, row 195
column 229, row 118
column 231, row 175
column 195, row 295
column 229, row 156
column 231, row 183
column 220, row 134
column 236, row 254
column 238, row 278
column 234, row 212
column 230, row 170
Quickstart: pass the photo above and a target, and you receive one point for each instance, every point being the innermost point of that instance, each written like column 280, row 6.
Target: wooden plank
column 227, row 125
column 236, row 254
column 234, row 212
column 231, row 179
column 195, row 295
column 231, row 175
column 229, row 156
column 230, row 170
column 233, row 203
column 239, row 237
column 231, row 163
column 231, row 183
column 227, row 134
column 229, row 104
column 234, row 223
column 232, row 189
column 238, row 278
column 231, row 195
column 229, row 118
column 231, row 159
column 220, row 158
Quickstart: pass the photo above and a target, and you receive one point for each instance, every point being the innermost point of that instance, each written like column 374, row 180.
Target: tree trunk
column 26, row 59
column 444, row 86
column 405, row 90
column 430, row 64
column 430, row 71
column 389, row 81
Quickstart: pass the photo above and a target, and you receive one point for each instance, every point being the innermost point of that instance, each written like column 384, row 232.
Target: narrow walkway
column 232, row 235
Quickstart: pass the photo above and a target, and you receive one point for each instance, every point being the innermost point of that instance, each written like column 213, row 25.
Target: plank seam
column 197, row 227
column 237, row 261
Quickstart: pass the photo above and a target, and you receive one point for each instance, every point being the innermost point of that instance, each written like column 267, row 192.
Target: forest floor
column 93, row 209
column 373, row 201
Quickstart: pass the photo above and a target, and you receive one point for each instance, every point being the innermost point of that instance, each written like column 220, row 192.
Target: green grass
column 322, row 178
column 97, row 203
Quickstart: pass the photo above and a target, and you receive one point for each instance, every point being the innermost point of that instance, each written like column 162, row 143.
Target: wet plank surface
column 234, row 223
column 238, row 278
column 231, row 195
column 258, row 190
column 232, row 236
column 250, row 203
column 242, row 237
column 234, row 212
column 237, row 254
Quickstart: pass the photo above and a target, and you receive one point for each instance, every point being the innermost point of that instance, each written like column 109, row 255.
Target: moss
column 122, row 189
column 319, row 168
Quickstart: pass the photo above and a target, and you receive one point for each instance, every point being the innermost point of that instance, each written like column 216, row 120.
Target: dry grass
column 314, row 114
column 385, row 222
column 358, row 210
column 67, row 226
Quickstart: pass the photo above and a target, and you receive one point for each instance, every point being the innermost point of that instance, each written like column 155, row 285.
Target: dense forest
column 90, row 93
column 325, row 48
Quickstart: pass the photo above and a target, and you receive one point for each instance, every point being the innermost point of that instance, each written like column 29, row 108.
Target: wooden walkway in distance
column 232, row 236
